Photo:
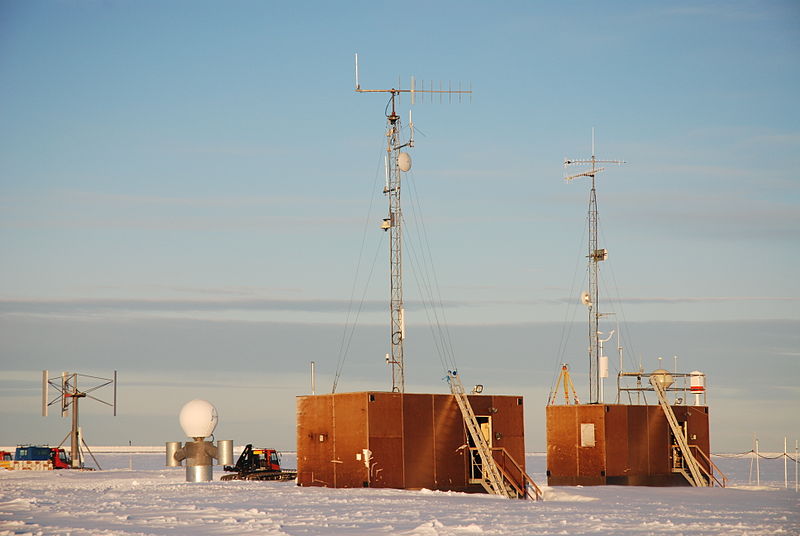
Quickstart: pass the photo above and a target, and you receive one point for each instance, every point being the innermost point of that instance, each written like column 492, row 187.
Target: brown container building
column 596, row 444
column 406, row 441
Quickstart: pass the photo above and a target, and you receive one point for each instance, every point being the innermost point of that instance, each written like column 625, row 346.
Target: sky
column 190, row 194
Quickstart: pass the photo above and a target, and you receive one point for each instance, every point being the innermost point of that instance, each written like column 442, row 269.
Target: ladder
column 695, row 475
column 491, row 480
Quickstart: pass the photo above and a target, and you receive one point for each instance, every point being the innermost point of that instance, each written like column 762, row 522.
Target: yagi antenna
column 593, row 161
column 421, row 91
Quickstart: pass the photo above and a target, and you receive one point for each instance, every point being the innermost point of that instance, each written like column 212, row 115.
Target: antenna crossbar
column 443, row 91
column 568, row 162
column 590, row 173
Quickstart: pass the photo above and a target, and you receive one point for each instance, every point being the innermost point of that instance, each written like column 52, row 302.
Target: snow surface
column 149, row 499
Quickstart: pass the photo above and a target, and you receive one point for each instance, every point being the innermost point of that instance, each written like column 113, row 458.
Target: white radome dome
column 198, row 418
column 662, row 377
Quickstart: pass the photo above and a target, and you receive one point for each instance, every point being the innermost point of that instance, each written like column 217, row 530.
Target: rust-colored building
column 406, row 441
column 595, row 444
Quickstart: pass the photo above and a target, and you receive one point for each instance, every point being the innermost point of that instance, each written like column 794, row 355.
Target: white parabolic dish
column 198, row 418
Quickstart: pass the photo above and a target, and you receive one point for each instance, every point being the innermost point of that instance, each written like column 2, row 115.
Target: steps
column 695, row 475
column 493, row 478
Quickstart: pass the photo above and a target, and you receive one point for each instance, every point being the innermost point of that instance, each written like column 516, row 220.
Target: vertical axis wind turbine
column 398, row 162
column 596, row 255
column 68, row 395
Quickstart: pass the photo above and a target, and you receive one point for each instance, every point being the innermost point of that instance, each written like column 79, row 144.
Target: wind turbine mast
column 596, row 255
column 398, row 162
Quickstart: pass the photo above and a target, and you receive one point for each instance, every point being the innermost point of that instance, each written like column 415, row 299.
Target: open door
column 476, row 463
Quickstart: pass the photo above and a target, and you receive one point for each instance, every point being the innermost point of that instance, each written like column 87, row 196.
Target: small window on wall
column 587, row 434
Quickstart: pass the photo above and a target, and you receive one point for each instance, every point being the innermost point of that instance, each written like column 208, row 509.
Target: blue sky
column 185, row 188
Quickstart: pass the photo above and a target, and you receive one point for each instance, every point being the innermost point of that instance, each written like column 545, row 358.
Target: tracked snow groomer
column 258, row 464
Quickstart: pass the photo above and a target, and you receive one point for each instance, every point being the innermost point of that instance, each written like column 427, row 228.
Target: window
column 587, row 434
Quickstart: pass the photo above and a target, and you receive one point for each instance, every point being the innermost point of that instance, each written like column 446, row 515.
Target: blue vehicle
column 38, row 453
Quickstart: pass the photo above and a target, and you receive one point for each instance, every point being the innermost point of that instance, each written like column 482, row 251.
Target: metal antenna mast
column 68, row 395
column 398, row 162
column 596, row 255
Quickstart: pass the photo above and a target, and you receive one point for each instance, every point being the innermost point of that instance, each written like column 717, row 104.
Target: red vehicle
column 270, row 459
column 60, row 459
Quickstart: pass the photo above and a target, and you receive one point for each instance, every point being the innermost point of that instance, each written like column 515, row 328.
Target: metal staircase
column 695, row 474
column 491, row 478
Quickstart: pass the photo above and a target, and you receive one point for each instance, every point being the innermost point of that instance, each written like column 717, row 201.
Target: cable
column 568, row 324
column 344, row 343
column 349, row 335
column 428, row 283
column 627, row 341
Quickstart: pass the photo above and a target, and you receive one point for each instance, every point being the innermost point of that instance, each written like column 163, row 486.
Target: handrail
column 491, row 478
column 526, row 478
column 695, row 474
column 713, row 466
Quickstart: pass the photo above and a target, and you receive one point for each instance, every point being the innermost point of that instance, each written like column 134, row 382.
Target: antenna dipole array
column 393, row 223
column 595, row 256
column 66, row 385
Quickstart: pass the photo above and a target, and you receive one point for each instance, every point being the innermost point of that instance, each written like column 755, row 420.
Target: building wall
column 450, row 464
column 385, row 439
column 334, row 429
column 315, row 440
column 632, row 444
column 414, row 439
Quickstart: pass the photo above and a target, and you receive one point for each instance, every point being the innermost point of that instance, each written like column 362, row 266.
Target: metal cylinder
column 604, row 366
column 697, row 381
column 225, row 452
column 172, row 447
column 199, row 473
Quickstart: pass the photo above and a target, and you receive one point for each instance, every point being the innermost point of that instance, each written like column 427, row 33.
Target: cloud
column 732, row 216
column 717, row 10
column 204, row 202
column 68, row 209
column 86, row 305
column 704, row 299
column 787, row 354
column 283, row 224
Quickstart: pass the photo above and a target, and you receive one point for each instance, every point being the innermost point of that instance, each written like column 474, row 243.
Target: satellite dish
column 404, row 161
column 585, row 299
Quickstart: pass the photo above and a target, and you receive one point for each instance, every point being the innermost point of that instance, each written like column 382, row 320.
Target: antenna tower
column 398, row 162
column 595, row 256
column 68, row 396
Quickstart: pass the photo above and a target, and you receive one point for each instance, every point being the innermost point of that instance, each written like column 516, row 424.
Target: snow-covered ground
column 134, row 494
